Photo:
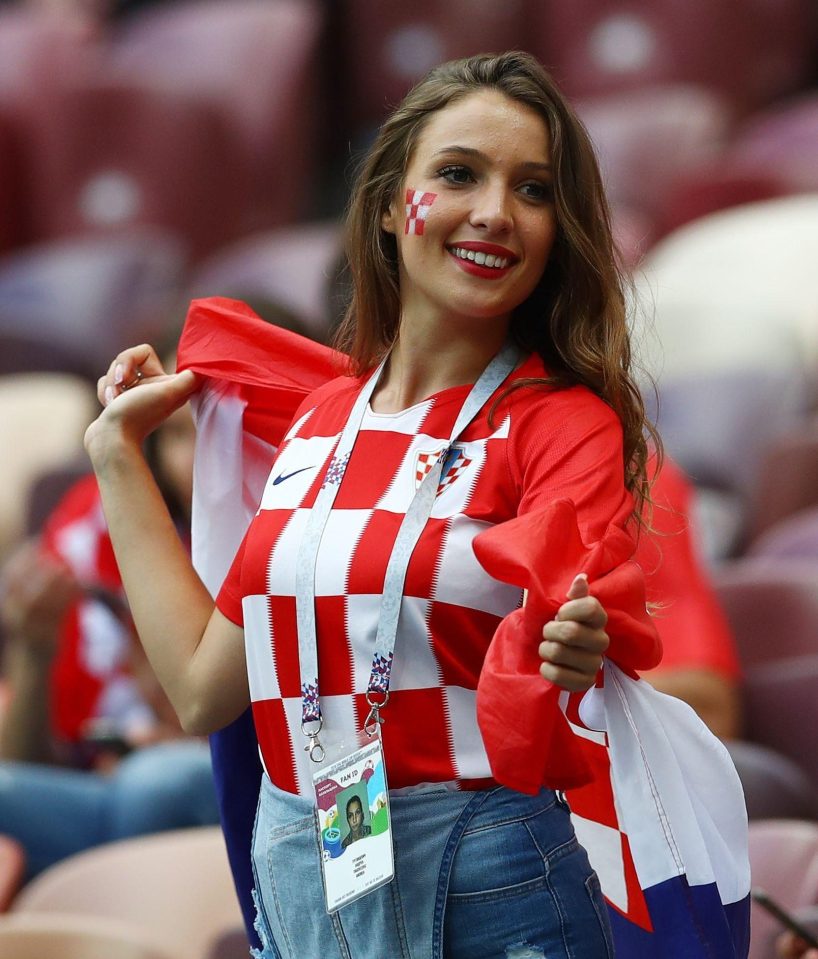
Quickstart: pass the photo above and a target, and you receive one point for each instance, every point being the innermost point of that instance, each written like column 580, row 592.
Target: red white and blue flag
column 655, row 798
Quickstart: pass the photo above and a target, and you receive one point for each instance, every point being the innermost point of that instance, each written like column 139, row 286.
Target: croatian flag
column 654, row 796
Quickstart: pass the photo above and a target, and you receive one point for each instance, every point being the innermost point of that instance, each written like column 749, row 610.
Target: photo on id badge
column 353, row 819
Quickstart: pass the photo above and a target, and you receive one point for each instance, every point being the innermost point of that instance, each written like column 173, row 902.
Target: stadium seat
column 750, row 53
column 788, row 478
column 646, row 138
column 782, row 140
column 74, row 937
column 384, row 48
column 257, row 63
column 43, row 417
column 793, row 538
column 175, row 884
column 711, row 187
column 774, row 786
column 784, row 862
column 772, row 608
column 39, row 52
column 104, row 156
column 73, row 304
column 291, row 269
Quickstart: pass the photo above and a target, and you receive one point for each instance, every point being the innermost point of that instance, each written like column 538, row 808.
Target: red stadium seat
column 750, row 52
column 772, row 608
column 292, row 269
column 788, row 479
column 103, row 157
column 257, row 62
column 38, row 52
column 782, row 141
column 794, row 538
column 646, row 138
column 386, row 47
column 711, row 187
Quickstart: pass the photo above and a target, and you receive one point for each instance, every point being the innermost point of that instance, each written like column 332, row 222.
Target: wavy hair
column 576, row 317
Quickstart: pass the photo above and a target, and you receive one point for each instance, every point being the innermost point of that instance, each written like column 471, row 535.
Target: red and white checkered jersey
column 540, row 444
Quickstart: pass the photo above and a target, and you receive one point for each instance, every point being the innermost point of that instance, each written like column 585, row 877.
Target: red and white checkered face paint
column 417, row 209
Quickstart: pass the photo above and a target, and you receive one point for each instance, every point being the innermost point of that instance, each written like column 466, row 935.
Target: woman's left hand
column 575, row 640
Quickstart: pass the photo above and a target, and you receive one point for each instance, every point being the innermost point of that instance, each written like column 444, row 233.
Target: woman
column 484, row 276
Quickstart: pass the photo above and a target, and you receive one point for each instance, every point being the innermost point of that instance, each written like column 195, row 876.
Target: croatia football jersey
column 539, row 444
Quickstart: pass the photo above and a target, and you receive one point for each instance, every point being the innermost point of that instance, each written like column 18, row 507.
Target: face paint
column 417, row 209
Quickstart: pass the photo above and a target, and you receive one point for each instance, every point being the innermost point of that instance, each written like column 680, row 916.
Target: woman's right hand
column 138, row 395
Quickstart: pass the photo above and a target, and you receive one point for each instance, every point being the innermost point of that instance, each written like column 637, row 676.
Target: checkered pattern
column 451, row 606
column 417, row 209
column 458, row 463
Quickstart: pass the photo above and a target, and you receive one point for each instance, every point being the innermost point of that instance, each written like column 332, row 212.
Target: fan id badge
column 354, row 825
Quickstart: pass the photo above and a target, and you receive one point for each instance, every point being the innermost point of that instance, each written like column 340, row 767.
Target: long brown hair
column 576, row 317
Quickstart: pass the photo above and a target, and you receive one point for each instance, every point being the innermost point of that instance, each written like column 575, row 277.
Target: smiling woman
column 488, row 377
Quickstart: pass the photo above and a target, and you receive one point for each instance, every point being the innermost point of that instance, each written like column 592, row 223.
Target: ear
column 389, row 219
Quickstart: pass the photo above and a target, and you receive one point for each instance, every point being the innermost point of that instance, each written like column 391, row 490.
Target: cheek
column 418, row 204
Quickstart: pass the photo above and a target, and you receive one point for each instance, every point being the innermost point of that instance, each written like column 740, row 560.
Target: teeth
column 482, row 259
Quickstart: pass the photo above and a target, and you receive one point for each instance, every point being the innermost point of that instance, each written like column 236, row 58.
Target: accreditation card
column 355, row 828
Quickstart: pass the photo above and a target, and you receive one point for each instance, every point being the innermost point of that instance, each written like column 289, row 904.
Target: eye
column 537, row 191
column 456, row 174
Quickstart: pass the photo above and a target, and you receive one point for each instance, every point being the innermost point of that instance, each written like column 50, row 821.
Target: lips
column 486, row 260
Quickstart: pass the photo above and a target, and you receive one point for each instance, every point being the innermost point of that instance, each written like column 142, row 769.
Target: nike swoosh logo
column 286, row 476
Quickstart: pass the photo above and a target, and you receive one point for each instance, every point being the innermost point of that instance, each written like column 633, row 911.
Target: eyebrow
column 470, row 151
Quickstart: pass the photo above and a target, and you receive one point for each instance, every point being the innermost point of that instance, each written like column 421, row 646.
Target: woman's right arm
column 196, row 652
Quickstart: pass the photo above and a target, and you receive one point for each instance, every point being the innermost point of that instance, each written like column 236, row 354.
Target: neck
column 423, row 362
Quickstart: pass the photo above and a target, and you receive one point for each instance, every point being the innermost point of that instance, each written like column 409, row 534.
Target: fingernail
column 118, row 374
column 109, row 395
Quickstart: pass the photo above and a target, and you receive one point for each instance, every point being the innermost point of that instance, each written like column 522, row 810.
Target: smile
column 481, row 259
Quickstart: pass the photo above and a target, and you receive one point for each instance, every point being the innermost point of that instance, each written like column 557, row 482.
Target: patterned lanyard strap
column 417, row 515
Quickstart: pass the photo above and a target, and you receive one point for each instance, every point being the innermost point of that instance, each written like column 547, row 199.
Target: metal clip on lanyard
column 416, row 517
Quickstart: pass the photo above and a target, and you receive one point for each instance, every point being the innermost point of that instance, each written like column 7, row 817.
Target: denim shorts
column 478, row 875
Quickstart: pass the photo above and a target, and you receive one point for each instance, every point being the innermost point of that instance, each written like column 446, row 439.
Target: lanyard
column 411, row 527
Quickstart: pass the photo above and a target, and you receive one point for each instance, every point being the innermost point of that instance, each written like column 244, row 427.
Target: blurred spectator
column 91, row 750
column 700, row 663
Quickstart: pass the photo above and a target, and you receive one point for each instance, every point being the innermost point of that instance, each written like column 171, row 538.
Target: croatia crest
column 457, row 463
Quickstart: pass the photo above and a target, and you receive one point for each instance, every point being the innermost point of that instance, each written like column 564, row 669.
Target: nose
column 492, row 208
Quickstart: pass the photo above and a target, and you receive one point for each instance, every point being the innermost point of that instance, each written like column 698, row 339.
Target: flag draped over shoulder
column 654, row 796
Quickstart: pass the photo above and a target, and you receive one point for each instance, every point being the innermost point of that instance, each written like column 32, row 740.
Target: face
column 490, row 225
column 355, row 816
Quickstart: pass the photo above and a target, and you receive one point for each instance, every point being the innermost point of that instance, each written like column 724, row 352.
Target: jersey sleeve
column 567, row 444
column 228, row 600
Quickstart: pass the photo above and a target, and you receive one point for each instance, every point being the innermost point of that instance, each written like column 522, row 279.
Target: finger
column 579, row 587
column 572, row 680
column 576, row 635
column 588, row 611
column 573, row 657
column 126, row 369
